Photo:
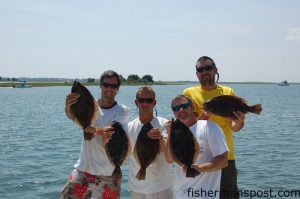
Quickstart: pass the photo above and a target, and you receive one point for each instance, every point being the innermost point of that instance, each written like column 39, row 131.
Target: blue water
column 39, row 145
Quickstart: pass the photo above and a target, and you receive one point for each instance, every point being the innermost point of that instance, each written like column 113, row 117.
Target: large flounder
column 184, row 147
column 118, row 149
column 145, row 150
column 85, row 111
column 224, row 105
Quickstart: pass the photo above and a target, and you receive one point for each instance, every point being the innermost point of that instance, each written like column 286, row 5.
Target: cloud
column 293, row 34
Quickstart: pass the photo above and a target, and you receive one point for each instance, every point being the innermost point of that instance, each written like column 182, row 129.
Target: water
column 39, row 145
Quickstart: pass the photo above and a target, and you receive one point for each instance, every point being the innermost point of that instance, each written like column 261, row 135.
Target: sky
column 254, row 40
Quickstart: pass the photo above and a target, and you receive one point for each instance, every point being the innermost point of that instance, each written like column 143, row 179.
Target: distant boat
column 22, row 84
column 283, row 83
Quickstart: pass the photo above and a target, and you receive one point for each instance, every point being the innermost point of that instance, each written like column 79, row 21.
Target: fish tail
column 117, row 173
column 191, row 173
column 141, row 174
column 87, row 136
column 256, row 109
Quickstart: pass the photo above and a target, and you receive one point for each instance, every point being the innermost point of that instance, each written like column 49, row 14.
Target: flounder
column 184, row 147
column 85, row 111
column 224, row 105
column 118, row 149
column 145, row 150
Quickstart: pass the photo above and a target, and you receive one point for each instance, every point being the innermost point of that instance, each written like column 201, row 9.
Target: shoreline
column 49, row 84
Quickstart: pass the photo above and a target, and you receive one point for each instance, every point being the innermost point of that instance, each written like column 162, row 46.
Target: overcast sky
column 254, row 40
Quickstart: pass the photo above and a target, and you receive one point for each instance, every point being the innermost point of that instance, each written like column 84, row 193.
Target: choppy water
column 39, row 145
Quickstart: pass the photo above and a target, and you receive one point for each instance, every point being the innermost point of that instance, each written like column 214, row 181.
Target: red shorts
column 84, row 185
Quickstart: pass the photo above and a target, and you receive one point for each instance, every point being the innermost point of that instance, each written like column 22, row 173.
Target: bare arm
column 217, row 163
column 238, row 124
column 156, row 134
column 106, row 132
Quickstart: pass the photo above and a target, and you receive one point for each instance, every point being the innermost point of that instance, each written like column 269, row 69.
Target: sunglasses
column 106, row 85
column 145, row 100
column 206, row 68
column 181, row 106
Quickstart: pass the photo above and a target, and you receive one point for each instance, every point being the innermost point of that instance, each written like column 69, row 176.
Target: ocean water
column 39, row 145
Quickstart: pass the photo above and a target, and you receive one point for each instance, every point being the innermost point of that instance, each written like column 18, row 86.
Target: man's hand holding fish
column 106, row 132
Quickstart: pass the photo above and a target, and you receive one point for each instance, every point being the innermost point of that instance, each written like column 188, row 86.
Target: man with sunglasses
column 206, row 71
column 158, row 181
column 211, row 159
column 93, row 170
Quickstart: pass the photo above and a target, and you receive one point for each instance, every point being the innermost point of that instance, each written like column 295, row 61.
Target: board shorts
column 84, row 185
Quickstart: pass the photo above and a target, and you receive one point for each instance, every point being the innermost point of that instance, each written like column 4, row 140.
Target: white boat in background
column 283, row 83
column 22, row 84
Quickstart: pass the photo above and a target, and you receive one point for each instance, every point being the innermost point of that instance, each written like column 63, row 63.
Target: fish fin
column 197, row 150
column 236, row 98
column 128, row 152
column 87, row 136
column 243, row 100
column 70, row 114
column 96, row 113
column 141, row 175
column 178, row 162
column 156, row 156
column 191, row 172
column 78, row 123
column 175, row 158
column 117, row 173
column 129, row 146
column 135, row 155
column 256, row 109
column 110, row 160
column 93, row 120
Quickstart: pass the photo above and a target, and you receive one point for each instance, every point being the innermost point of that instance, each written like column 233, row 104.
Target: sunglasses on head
column 106, row 85
column 181, row 106
column 145, row 100
column 206, row 68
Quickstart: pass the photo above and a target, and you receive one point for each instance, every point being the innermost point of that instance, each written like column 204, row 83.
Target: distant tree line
column 133, row 78
column 8, row 79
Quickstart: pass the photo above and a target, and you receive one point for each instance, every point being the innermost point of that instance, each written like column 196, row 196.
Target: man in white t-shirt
column 92, row 172
column 158, row 181
column 211, row 159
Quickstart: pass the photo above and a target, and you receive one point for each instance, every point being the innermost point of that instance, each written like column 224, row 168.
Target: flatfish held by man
column 86, row 110
column 118, row 149
column 225, row 105
column 184, row 147
column 146, row 150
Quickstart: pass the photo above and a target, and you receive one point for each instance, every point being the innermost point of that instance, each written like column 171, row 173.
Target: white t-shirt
column 93, row 158
column 159, row 173
column 207, row 184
